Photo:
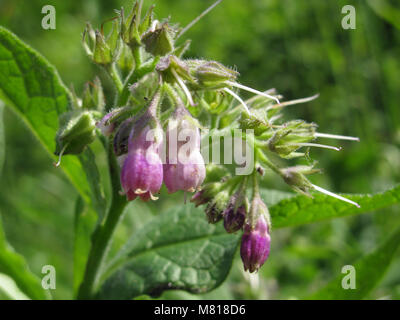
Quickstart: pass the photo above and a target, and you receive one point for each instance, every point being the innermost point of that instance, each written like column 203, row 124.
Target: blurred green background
column 296, row 46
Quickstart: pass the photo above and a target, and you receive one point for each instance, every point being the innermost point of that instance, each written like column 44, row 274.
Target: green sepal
column 77, row 130
column 160, row 41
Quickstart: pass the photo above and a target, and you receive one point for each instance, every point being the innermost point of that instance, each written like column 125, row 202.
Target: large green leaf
column 298, row 210
column 2, row 138
column 368, row 271
column 13, row 265
column 32, row 87
column 177, row 250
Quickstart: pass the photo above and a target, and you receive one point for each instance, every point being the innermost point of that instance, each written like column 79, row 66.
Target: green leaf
column 92, row 174
column 298, row 210
column 177, row 250
column 9, row 290
column 271, row 197
column 13, row 265
column 2, row 139
column 32, row 87
column 368, row 272
column 386, row 11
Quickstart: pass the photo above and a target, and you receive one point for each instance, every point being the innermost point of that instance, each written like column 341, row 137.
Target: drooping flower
column 142, row 170
column 141, row 175
column 184, row 168
column 256, row 240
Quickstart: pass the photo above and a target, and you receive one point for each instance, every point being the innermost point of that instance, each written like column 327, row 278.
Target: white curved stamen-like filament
column 331, row 194
column 183, row 87
column 238, row 99
column 335, row 136
column 317, row 145
column 240, row 86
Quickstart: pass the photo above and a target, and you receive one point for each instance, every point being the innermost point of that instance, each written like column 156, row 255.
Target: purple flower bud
column 105, row 127
column 255, row 246
column 216, row 206
column 234, row 219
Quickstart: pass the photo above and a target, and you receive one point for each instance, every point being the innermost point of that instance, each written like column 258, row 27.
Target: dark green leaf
column 301, row 209
column 13, row 265
column 32, row 87
column 177, row 250
column 368, row 272
column 2, row 139
column 98, row 200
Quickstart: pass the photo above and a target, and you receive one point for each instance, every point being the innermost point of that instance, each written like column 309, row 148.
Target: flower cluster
column 162, row 101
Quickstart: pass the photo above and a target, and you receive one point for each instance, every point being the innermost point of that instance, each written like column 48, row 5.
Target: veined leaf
column 298, row 210
column 368, row 272
column 13, row 265
column 2, row 138
column 177, row 250
column 32, row 87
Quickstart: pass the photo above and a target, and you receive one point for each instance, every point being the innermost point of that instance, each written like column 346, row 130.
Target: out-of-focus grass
column 298, row 47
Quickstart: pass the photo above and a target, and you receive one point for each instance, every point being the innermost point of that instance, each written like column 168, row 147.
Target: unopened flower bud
column 160, row 40
column 211, row 74
column 130, row 26
column 234, row 218
column 76, row 132
column 102, row 50
column 93, row 96
column 216, row 207
column 296, row 177
column 255, row 245
column 171, row 67
column 292, row 136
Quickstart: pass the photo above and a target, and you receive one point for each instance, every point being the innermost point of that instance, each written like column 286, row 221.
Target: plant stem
column 103, row 235
column 139, row 72
column 113, row 72
column 261, row 156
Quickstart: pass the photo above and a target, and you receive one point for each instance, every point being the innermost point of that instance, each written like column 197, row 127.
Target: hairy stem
column 139, row 72
column 113, row 72
column 103, row 235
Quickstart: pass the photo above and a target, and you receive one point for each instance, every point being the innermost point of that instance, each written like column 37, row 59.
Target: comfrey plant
column 166, row 110
column 173, row 125
column 164, row 104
